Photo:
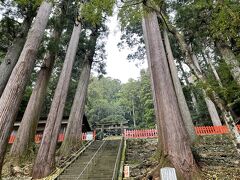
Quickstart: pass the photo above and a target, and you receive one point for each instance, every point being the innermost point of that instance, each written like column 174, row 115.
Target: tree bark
column 12, row 95
column 175, row 145
column 133, row 114
column 73, row 135
column 45, row 160
column 27, row 130
column 212, row 110
column 230, row 60
column 72, row 138
column 178, row 90
column 13, row 54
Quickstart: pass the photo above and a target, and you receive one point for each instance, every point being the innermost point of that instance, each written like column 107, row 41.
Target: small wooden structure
column 113, row 128
column 43, row 120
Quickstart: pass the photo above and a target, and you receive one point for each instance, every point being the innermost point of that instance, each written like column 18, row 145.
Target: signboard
column 89, row 136
column 126, row 172
column 168, row 173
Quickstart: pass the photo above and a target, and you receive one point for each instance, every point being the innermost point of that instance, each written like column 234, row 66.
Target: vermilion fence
column 145, row 133
column 38, row 137
column 200, row 130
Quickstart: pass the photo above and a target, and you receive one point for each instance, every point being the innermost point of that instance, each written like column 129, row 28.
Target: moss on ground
column 216, row 156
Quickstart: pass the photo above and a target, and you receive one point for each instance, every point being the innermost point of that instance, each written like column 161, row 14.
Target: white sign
column 126, row 172
column 168, row 173
column 89, row 136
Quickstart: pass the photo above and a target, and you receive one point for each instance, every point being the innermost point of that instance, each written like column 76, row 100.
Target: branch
column 161, row 16
column 98, row 61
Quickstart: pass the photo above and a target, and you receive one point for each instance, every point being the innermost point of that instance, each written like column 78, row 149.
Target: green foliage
column 28, row 4
column 110, row 100
column 147, row 100
column 113, row 119
column 225, row 21
column 101, row 100
column 95, row 11
column 205, row 21
column 9, row 29
column 130, row 18
column 230, row 91
column 12, row 14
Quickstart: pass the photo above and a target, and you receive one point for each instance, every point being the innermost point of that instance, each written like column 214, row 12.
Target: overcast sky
column 118, row 66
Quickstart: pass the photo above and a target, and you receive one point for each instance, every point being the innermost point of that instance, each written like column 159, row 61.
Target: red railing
column 38, row 137
column 145, row 133
column 200, row 130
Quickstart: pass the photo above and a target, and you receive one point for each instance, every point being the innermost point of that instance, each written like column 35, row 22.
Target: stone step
column 103, row 165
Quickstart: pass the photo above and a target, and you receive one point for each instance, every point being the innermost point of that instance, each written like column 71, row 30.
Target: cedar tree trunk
column 175, row 145
column 72, row 138
column 178, row 89
column 45, row 160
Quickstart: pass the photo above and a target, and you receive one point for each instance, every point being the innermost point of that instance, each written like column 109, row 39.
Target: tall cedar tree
column 178, row 89
column 45, row 160
column 72, row 139
column 174, row 141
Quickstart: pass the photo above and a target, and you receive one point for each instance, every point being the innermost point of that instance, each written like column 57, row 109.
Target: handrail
column 120, row 174
column 78, row 152
column 116, row 166
column 90, row 160
column 68, row 163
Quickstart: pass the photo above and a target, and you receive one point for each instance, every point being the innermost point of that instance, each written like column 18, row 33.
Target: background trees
column 132, row 101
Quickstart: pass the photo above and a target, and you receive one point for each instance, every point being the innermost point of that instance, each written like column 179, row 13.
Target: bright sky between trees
column 118, row 66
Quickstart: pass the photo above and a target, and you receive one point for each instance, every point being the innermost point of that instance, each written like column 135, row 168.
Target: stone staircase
column 101, row 166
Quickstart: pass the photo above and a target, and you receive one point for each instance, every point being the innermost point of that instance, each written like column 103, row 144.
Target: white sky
column 118, row 66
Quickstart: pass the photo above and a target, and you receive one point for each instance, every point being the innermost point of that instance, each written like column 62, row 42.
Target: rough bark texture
column 45, row 160
column 72, row 138
column 28, row 126
column 230, row 60
column 27, row 130
column 175, row 145
column 217, row 100
column 13, row 54
column 178, row 90
column 12, row 95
